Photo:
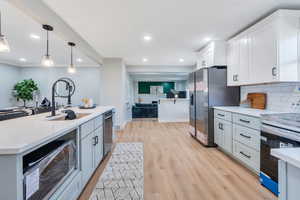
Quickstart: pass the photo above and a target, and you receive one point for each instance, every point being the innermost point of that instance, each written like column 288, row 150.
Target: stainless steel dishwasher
column 108, row 132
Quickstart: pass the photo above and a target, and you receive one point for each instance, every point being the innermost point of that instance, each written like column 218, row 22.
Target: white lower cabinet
column 239, row 136
column 92, row 153
column 223, row 134
column 98, row 154
column 247, row 136
column 247, row 155
column 87, row 158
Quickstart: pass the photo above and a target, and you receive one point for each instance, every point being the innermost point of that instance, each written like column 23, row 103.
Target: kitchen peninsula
column 173, row 110
column 23, row 140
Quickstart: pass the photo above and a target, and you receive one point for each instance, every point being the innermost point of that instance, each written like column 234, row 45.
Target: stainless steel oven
column 108, row 132
column 273, row 137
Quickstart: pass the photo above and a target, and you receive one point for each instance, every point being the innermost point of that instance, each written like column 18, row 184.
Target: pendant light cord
column 0, row 24
column 71, row 56
column 47, row 43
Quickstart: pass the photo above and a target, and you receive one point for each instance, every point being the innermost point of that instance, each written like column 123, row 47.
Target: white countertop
column 172, row 99
column 245, row 111
column 21, row 134
column 289, row 155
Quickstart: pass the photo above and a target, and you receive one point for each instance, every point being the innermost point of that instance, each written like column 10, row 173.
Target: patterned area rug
column 123, row 177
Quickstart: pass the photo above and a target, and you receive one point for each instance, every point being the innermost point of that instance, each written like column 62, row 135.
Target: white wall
column 113, row 87
column 9, row 76
column 87, row 82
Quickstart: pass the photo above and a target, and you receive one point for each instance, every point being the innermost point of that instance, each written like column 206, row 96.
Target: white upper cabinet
column 266, row 52
column 263, row 54
column 214, row 54
column 233, row 62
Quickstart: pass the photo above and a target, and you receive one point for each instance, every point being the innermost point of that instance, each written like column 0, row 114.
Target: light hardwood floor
column 178, row 168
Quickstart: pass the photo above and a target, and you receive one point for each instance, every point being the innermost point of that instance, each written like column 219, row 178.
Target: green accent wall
column 144, row 87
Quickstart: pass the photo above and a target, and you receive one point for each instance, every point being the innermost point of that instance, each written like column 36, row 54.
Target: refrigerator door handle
column 192, row 100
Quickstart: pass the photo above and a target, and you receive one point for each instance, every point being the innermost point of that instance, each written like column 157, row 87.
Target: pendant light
column 47, row 60
column 71, row 68
column 4, row 46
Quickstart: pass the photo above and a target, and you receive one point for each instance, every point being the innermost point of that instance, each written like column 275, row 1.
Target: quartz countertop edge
column 245, row 111
column 289, row 155
column 22, row 134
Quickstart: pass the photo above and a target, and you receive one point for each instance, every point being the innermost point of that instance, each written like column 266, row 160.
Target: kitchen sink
column 61, row 117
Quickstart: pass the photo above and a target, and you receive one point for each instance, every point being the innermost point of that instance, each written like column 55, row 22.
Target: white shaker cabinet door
column 99, row 146
column 227, row 138
column 243, row 72
column 218, row 134
column 87, row 157
column 263, row 54
column 233, row 63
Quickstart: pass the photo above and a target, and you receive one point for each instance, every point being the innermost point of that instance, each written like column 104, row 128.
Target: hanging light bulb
column 71, row 68
column 47, row 60
column 4, row 46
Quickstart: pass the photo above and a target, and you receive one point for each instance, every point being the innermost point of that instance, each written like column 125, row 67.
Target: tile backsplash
column 283, row 97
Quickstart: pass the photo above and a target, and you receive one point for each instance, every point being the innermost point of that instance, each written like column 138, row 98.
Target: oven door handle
column 107, row 117
column 292, row 135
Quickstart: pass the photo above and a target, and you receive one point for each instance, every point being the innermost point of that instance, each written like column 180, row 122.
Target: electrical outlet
column 297, row 89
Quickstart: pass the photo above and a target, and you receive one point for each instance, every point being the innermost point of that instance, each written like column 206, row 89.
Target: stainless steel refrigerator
column 208, row 88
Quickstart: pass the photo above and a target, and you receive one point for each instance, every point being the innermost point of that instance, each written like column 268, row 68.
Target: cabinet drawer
column 247, row 136
column 223, row 115
column 98, row 121
column 73, row 190
column 87, row 128
column 251, row 122
column 247, row 155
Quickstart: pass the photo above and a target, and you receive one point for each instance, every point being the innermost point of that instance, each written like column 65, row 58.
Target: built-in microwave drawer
column 247, row 155
column 251, row 122
column 247, row 136
column 87, row 128
column 223, row 115
column 98, row 121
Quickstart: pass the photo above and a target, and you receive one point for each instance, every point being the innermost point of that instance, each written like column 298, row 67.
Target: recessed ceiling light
column 23, row 59
column 181, row 60
column 79, row 60
column 145, row 59
column 147, row 38
column 34, row 36
column 207, row 39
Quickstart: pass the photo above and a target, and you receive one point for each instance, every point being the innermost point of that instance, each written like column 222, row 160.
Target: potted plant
column 24, row 90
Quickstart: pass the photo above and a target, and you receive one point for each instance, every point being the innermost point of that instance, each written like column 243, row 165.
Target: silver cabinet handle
column 96, row 140
column 274, row 71
column 244, row 121
column 221, row 126
column 221, row 115
column 245, row 136
column 245, row 155
column 235, row 77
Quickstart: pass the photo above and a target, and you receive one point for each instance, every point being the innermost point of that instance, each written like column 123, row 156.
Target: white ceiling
column 17, row 27
column 179, row 27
